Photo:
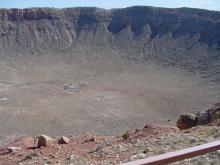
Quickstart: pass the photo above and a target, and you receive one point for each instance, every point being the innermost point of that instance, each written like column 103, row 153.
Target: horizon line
column 38, row 7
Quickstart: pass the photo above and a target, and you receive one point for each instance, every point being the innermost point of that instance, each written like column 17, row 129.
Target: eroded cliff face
column 27, row 28
column 178, row 22
column 188, row 38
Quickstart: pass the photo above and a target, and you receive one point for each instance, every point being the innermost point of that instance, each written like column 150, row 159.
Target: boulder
column 215, row 112
column 63, row 140
column 44, row 140
column 210, row 116
column 186, row 120
column 203, row 118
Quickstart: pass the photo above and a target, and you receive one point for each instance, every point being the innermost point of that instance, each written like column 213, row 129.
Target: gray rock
column 215, row 112
column 193, row 140
column 148, row 149
column 203, row 118
column 141, row 155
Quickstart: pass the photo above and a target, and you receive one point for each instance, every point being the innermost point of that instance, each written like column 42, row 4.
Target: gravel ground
column 141, row 143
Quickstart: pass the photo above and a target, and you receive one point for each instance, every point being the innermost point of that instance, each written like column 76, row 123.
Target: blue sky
column 204, row 4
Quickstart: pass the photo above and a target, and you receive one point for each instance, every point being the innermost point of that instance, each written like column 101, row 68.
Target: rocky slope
column 90, row 149
column 133, row 144
column 187, row 38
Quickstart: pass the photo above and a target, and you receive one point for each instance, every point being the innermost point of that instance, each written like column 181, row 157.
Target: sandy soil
column 107, row 105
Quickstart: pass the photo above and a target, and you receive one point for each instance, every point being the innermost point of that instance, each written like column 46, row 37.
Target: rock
column 148, row 149
column 138, row 156
column 63, row 140
column 203, row 118
column 98, row 148
column 53, row 156
column 120, row 147
column 14, row 149
column 141, row 155
column 45, row 158
column 90, row 140
column 211, row 116
column 193, row 140
column 71, row 157
column 133, row 157
column 71, row 86
column 44, row 140
column 216, row 122
column 188, row 131
column 186, row 120
column 215, row 112
column 75, row 86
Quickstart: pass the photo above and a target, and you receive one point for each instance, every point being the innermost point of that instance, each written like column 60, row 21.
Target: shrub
column 31, row 156
column 126, row 135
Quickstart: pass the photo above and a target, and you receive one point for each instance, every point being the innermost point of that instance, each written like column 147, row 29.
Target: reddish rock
column 186, row 121
column 44, row 140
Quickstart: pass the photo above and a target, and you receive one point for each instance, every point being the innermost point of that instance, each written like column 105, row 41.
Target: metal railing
column 175, row 156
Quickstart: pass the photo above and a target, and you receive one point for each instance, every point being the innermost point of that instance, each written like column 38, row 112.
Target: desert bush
column 126, row 135
column 31, row 156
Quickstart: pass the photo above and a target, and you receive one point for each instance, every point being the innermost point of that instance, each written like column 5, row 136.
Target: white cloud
column 207, row 4
column 199, row 2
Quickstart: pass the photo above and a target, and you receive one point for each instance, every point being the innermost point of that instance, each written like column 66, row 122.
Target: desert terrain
column 75, row 70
